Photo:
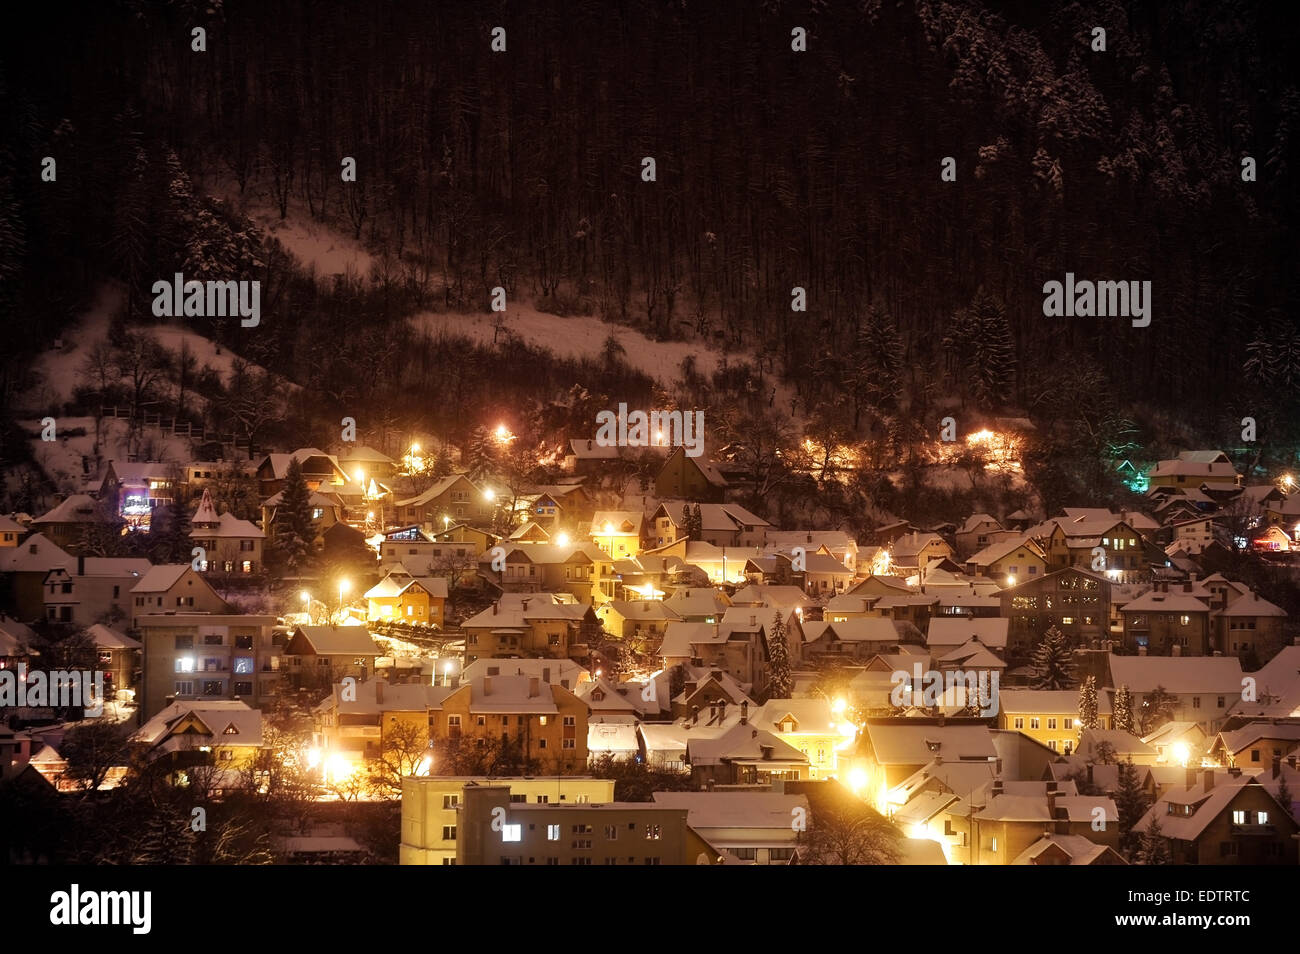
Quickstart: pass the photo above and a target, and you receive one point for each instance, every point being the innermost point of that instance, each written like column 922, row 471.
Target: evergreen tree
column 1158, row 707
column 1088, row 703
column 1283, row 794
column 169, row 535
column 1131, row 803
column 780, row 684
column 480, row 454
column 1122, row 710
column 1154, row 847
column 294, row 531
column 1053, row 666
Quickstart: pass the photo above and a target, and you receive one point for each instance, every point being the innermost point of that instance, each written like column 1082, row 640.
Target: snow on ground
column 61, row 459
column 59, row 370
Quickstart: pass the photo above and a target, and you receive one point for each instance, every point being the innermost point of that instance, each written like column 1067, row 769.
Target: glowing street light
column 562, row 540
column 489, row 494
column 446, row 521
column 344, row 586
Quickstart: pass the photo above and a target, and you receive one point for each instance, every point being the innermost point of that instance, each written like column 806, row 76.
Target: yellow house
column 810, row 726
column 10, row 531
column 1048, row 716
column 224, row 733
column 405, row 598
column 618, row 532
column 430, row 807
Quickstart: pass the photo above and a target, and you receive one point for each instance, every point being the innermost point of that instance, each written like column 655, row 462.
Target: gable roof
column 332, row 641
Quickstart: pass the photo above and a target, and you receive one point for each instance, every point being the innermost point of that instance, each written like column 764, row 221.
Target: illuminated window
column 512, row 832
column 552, row 832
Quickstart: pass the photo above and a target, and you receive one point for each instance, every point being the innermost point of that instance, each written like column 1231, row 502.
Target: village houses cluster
column 1143, row 698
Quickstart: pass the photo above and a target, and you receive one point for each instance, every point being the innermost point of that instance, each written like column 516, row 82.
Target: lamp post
column 306, row 604
column 344, row 586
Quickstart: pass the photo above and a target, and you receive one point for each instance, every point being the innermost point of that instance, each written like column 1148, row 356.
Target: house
column 174, row 588
column 1205, row 688
column 1178, row 743
column 547, row 721
column 858, row 639
column 913, row 553
column 744, row 754
column 976, row 532
column 622, row 833
column 16, row 639
column 320, row 470
column 1074, row 600
column 689, row 478
column 945, row 633
column 721, row 524
column 1167, row 623
column 1191, row 468
column 431, row 807
column 229, row 545
column 11, row 531
column 226, row 734
column 403, row 597
column 371, row 463
column 1224, row 818
column 1068, row 850
column 192, row 656
column 1048, row 716
column 136, row 490
column 754, row 827
column 532, row 624
column 453, row 499
column 737, row 645
column 637, row 618
column 889, row 751
column 617, row 532
column 1100, row 541
column 582, row 570
column 560, row 506
column 320, row 656
column 118, row 657
column 1001, row 827
column 93, row 589
column 351, row 726
column 1012, row 558
column 711, row 691
column 327, row 509
column 66, row 524
column 698, row 604
column 1256, row 745
column 837, row 543
column 810, row 726
column 586, row 457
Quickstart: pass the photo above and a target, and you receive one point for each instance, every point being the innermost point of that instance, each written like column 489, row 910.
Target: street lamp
column 446, row 672
column 446, row 521
column 344, row 586
column 489, row 494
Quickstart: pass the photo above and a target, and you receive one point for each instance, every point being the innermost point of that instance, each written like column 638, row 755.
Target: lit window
column 552, row 832
column 512, row 832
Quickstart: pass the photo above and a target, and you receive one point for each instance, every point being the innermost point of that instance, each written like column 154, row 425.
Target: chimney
column 1235, row 771
column 722, row 709
column 546, row 674
column 744, row 720
column 767, row 752
column 1089, row 773
column 1290, row 760
column 81, row 565
column 1277, row 766
column 494, row 607
column 379, row 691
column 997, row 787
column 1191, row 777
column 753, row 620
column 1208, row 775
column 523, row 604
column 695, row 715
column 534, row 688
column 487, row 685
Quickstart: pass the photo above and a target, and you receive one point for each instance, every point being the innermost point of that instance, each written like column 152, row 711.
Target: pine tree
column 779, row 685
column 1053, row 666
column 169, row 534
column 1283, row 794
column 993, row 351
column 1122, row 710
column 480, row 454
column 1131, row 803
column 294, row 532
column 1088, row 703
column 1154, row 848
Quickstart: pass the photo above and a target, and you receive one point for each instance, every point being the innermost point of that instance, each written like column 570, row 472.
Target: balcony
column 1254, row 829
